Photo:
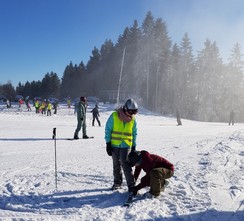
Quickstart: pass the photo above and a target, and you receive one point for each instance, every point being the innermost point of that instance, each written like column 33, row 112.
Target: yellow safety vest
column 121, row 131
column 36, row 104
column 49, row 106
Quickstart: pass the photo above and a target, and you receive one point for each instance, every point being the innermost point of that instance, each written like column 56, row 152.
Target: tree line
column 161, row 75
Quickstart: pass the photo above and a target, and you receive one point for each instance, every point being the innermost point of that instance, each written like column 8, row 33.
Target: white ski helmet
column 131, row 105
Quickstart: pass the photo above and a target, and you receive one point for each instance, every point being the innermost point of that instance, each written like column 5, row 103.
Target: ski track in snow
column 208, row 184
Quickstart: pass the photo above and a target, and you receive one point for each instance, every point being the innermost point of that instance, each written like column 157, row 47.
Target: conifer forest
column 161, row 75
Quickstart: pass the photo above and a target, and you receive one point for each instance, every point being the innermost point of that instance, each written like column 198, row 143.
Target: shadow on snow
column 65, row 202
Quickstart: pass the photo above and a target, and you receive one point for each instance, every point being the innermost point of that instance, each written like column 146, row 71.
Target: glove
column 133, row 190
column 81, row 118
column 133, row 148
column 109, row 148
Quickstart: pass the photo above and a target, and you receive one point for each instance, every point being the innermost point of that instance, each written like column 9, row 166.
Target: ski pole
column 55, row 153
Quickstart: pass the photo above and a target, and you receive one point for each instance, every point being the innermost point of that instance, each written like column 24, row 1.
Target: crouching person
column 157, row 170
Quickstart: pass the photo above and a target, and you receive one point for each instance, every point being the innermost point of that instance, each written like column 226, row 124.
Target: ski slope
column 208, row 184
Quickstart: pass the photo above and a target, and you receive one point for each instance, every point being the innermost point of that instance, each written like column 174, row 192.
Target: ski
column 80, row 138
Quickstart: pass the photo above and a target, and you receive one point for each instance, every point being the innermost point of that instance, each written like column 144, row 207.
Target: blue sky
column 40, row 36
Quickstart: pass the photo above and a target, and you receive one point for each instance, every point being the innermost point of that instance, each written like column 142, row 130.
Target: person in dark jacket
column 95, row 115
column 178, row 118
column 157, row 169
column 55, row 107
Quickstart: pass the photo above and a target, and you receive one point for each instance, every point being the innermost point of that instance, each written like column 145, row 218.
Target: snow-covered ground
column 209, row 169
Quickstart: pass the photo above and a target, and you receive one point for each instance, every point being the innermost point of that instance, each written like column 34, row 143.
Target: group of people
column 120, row 137
column 45, row 107
column 41, row 106
column 21, row 102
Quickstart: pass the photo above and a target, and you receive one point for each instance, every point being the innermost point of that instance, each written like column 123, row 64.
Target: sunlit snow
column 209, row 169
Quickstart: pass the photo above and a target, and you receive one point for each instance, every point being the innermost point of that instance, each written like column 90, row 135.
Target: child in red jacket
column 157, row 169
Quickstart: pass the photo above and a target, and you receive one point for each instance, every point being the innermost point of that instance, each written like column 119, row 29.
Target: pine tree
column 209, row 73
column 234, row 84
column 187, row 90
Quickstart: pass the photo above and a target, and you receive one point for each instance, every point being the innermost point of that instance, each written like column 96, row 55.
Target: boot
column 76, row 136
column 116, row 186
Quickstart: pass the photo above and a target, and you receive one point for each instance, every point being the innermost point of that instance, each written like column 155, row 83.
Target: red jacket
column 149, row 162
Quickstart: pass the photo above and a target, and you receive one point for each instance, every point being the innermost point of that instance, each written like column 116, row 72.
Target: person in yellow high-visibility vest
column 37, row 106
column 120, row 137
column 49, row 108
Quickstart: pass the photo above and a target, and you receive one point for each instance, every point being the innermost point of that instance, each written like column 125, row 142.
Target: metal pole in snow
column 54, row 137
column 120, row 76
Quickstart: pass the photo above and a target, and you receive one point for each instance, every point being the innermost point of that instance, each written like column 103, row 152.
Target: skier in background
column 95, row 115
column 49, row 108
column 178, row 118
column 69, row 102
column 21, row 102
column 232, row 117
column 37, row 105
column 27, row 103
column 44, row 106
column 8, row 103
column 55, row 106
